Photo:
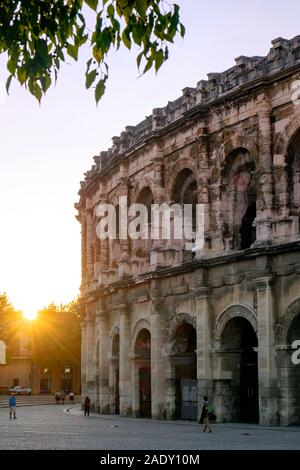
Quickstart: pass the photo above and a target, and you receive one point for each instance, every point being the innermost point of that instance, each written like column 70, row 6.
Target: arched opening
column 239, row 367
column 142, row 351
column 116, row 373
column 239, row 200
column 248, row 230
column 292, row 376
column 142, row 246
column 184, row 365
column 293, row 168
column 185, row 192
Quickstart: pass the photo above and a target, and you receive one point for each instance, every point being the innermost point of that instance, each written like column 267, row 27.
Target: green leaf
column 159, row 59
column 98, row 54
column 99, row 90
column 90, row 78
column 139, row 58
column 141, row 6
column 72, row 51
column 45, row 82
column 8, row 82
column 92, row 4
column 148, row 65
column 182, row 30
column 22, row 75
column 126, row 38
column 111, row 10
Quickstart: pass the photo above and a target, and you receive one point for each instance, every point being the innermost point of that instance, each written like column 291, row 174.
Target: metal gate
column 189, row 402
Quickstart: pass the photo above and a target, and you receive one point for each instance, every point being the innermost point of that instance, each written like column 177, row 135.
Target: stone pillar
column 83, row 358
column 264, row 174
column 204, row 346
column 158, row 329
column 96, row 361
column 103, row 358
column 203, row 188
column 89, row 250
column 124, row 263
column 125, row 363
column 267, row 371
column 157, row 255
column 104, row 244
column 89, row 352
column 83, row 253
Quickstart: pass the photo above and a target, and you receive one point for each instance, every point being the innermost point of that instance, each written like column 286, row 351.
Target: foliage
column 12, row 325
column 38, row 36
column 55, row 336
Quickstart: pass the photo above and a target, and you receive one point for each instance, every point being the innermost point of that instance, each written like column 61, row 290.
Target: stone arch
column 285, row 137
column 239, row 141
column 177, row 320
column 282, row 328
column 145, row 182
column 140, row 325
column 230, row 312
column 115, row 331
column 171, row 176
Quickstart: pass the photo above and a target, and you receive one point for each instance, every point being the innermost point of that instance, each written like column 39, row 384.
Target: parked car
column 20, row 390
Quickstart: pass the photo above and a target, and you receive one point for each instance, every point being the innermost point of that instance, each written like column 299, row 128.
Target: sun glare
column 30, row 315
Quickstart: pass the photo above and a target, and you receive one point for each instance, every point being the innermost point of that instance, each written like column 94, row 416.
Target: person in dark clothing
column 205, row 414
column 87, row 406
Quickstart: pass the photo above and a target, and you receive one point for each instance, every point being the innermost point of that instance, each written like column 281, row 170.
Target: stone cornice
column 250, row 74
column 191, row 266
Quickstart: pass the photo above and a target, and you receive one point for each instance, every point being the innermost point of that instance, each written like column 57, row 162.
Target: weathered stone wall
column 233, row 143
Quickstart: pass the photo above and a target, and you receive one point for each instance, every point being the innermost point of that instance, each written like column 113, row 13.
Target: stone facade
column 161, row 326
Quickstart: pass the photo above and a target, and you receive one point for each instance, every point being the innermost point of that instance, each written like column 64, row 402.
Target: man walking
column 206, row 414
column 12, row 406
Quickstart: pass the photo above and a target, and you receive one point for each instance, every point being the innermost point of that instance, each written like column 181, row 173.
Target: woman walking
column 206, row 414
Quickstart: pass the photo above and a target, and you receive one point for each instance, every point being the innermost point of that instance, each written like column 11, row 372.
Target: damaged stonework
column 163, row 326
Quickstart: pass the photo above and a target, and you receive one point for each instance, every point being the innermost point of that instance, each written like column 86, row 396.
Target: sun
column 30, row 315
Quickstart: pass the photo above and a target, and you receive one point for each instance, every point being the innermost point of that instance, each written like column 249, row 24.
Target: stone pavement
column 54, row 427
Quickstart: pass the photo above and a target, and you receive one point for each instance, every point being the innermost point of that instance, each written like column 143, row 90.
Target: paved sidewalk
column 58, row 427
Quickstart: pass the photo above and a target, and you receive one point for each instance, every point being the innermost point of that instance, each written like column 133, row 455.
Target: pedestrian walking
column 63, row 397
column 207, row 414
column 87, row 406
column 71, row 398
column 56, row 397
column 12, row 406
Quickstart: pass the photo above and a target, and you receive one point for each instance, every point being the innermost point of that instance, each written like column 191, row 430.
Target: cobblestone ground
column 52, row 427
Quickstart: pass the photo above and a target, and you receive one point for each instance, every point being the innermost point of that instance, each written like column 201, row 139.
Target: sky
column 44, row 150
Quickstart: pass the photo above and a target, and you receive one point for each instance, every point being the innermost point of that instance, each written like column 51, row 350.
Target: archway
column 293, row 169
column 239, row 199
column 239, row 368
column 115, row 371
column 185, row 193
column 184, row 366
column 289, row 374
column 142, row 351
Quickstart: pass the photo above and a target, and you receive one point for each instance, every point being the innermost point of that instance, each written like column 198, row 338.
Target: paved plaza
column 54, row 427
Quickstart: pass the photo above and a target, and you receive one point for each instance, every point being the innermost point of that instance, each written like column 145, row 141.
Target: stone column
column 83, row 253
column 103, row 358
column 89, row 249
column 83, row 358
column 267, row 371
column 158, row 329
column 89, row 353
column 104, row 244
column 204, row 343
column 96, row 361
column 125, row 363
column 124, row 263
column 203, row 188
column 264, row 173
column 157, row 255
